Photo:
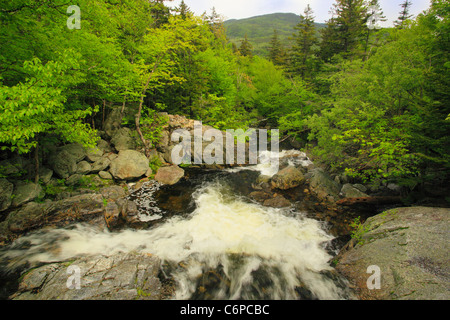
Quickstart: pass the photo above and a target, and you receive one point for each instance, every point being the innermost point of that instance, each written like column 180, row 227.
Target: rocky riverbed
column 113, row 189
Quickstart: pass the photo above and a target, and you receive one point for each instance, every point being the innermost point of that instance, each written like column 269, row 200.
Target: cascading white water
column 257, row 252
column 262, row 252
column 268, row 162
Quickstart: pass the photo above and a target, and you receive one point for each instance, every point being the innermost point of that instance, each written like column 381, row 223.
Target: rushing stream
column 230, row 246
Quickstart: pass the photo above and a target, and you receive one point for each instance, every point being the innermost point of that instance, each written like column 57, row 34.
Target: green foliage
column 152, row 126
column 371, row 103
column 384, row 119
column 38, row 105
column 154, row 164
column 358, row 230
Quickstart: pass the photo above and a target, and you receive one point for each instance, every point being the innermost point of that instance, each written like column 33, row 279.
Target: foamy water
column 244, row 239
column 269, row 161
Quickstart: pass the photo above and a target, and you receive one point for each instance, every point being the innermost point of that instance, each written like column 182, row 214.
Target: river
column 214, row 241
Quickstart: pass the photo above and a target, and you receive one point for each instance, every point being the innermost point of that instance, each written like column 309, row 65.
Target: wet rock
column 121, row 276
column 113, row 192
column 113, row 216
column 123, row 140
column 349, row 191
column 129, row 165
column 288, row 178
column 277, row 202
column 410, row 247
column 260, row 196
column 6, row 191
column 394, row 188
column 169, row 175
column 321, row 184
column 35, row 215
column 25, row 192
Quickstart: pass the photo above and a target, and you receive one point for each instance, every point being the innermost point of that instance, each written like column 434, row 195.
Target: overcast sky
column 239, row 9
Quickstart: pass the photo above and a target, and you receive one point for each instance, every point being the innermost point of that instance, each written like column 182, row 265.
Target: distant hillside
column 260, row 29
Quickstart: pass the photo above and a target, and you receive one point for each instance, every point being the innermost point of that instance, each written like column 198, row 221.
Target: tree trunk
column 141, row 103
column 369, row 201
column 36, row 162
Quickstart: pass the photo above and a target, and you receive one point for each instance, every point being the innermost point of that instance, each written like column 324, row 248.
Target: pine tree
column 246, row 48
column 160, row 12
column 345, row 29
column 329, row 44
column 184, row 10
column 215, row 22
column 277, row 53
column 304, row 41
column 374, row 16
column 404, row 14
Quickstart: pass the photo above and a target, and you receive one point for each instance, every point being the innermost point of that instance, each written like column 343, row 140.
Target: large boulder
column 120, row 276
column 164, row 141
column 129, row 165
column 288, row 178
column 75, row 150
column 277, row 202
column 103, row 146
column 84, row 167
column 323, row 187
column 35, row 215
column 6, row 191
column 113, row 121
column 64, row 164
column 7, row 168
column 350, row 191
column 25, row 192
column 45, row 175
column 409, row 247
column 101, row 164
column 123, row 140
column 94, row 154
column 169, row 175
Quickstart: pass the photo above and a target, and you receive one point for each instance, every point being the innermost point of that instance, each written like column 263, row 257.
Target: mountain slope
column 260, row 29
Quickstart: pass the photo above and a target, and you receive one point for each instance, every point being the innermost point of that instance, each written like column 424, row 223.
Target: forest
column 370, row 102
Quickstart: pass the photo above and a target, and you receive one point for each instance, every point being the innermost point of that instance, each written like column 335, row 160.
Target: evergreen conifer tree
column 404, row 14
column 246, row 47
column 277, row 53
column 304, row 41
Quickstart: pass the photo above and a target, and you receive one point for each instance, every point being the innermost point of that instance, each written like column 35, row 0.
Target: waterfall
column 249, row 251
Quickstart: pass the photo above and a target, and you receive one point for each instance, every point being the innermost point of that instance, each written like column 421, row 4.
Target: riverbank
column 115, row 190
